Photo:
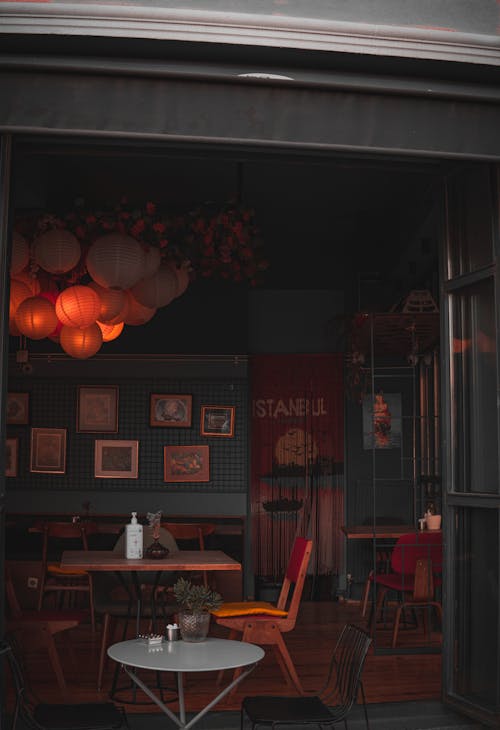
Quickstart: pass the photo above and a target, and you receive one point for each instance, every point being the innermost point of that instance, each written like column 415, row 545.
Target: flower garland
column 221, row 242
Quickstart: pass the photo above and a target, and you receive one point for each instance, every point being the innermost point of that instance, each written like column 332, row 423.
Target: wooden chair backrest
column 423, row 588
column 415, row 546
column 190, row 531
column 295, row 575
column 66, row 531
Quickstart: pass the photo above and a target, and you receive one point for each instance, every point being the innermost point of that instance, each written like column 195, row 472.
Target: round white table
column 183, row 656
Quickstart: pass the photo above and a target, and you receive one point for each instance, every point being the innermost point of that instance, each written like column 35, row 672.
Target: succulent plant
column 194, row 597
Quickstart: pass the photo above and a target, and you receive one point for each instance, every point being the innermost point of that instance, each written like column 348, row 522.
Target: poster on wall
column 382, row 421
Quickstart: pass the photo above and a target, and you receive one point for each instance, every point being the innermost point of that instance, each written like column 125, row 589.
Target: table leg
column 133, row 676
column 180, row 692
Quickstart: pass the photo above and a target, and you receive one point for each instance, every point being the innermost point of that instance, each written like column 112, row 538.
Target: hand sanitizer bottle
column 133, row 539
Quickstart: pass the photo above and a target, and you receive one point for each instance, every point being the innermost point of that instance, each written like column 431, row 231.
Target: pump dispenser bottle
column 133, row 539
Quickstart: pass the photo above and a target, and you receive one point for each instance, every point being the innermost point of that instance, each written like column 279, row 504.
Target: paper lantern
column 182, row 274
column 57, row 251
column 81, row 343
column 152, row 261
column 30, row 281
column 113, row 302
column 116, row 261
column 18, row 293
column 110, row 331
column 36, row 318
column 78, row 306
column 137, row 313
column 20, row 254
column 157, row 290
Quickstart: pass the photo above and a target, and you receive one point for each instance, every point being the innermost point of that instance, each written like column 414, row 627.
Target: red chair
column 416, row 566
column 260, row 622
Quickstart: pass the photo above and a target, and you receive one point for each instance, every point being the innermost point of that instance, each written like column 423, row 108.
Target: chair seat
column 77, row 615
column 90, row 716
column 248, row 608
column 69, row 572
column 264, row 710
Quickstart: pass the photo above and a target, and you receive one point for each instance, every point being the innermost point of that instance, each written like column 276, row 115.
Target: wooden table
column 368, row 532
column 107, row 560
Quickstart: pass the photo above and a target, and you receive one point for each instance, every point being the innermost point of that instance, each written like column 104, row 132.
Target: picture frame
column 48, row 450
column 186, row 463
column 170, row 410
column 97, row 409
column 17, row 409
column 116, row 459
column 11, row 456
column 217, row 421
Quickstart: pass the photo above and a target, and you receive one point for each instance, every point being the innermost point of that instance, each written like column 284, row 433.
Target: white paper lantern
column 81, row 343
column 78, row 306
column 157, row 290
column 137, row 313
column 20, row 254
column 113, row 301
column 182, row 274
column 36, row 318
column 57, row 251
column 116, row 261
column 152, row 256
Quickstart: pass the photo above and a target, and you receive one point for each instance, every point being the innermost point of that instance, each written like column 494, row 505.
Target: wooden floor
column 387, row 678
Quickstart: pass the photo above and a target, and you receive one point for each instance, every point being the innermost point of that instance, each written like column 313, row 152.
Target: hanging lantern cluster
column 120, row 283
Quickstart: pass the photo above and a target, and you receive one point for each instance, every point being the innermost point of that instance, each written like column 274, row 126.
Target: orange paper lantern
column 137, row 313
column 110, row 331
column 30, row 281
column 157, row 290
column 78, row 306
column 57, row 251
column 116, row 261
column 36, row 318
column 81, row 343
column 113, row 302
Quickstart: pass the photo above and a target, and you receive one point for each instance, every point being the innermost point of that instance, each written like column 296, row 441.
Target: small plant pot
column 433, row 522
column 194, row 625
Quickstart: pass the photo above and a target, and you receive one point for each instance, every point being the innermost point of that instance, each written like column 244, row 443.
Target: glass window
column 474, row 390
column 476, row 675
column 470, row 234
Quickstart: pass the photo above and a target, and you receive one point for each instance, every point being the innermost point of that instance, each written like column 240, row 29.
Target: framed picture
column 97, row 410
column 170, row 410
column 116, row 459
column 11, row 456
column 18, row 408
column 48, row 450
column 186, row 464
column 217, row 421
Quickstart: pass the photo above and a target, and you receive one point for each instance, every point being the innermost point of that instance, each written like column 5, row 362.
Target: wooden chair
column 63, row 582
column 35, row 629
column 416, row 565
column 333, row 703
column 263, row 623
column 194, row 532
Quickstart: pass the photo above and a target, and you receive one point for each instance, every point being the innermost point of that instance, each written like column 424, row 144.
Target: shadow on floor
column 386, row 716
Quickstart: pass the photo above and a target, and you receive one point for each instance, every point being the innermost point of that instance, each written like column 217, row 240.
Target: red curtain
column 297, row 459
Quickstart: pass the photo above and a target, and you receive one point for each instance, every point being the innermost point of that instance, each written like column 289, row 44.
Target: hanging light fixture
column 36, row 318
column 157, row 290
column 20, row 254
column 78, row 306
column 116, row 261
column 113, row 302
column 56, row 251
column 18, row 293
column 81, row 343
column 137, row 313
column 110, row 331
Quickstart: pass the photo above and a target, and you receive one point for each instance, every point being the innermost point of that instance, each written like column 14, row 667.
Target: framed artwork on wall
column 186, row 464
column 217, row 421
column 116, row 459
column 170, row 410
column 97, row 409
column 18, row 408
column 11, row 456
column 48, row 450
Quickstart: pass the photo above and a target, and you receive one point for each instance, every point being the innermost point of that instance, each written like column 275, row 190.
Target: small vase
column 156, row 550
column 194, row 625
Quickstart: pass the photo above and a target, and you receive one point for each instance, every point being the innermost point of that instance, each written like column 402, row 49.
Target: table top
column 106, row 560
column 368, row 532
column 185, row 656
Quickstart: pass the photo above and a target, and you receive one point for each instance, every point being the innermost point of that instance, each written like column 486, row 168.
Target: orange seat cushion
column 57, row 570
column 248, row 608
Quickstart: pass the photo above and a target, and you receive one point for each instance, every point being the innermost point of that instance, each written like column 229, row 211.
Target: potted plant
column 195, row 603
